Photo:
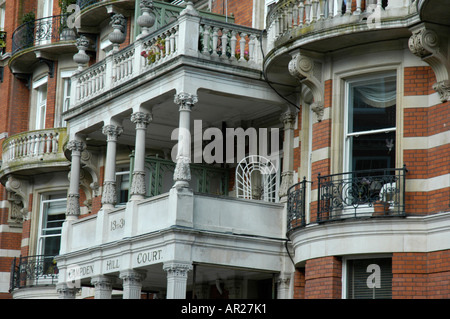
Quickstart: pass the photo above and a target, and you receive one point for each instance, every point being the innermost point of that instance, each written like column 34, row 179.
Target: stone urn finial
column 81, row 58
column 147, row 19
column 118, row 23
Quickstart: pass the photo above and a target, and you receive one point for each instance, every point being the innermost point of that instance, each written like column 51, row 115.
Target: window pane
column 372, row 104
column 373, row 151
column 369, row 278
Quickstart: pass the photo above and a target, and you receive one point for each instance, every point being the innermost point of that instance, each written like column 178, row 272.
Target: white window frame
column 66, row 91
column 2, row 14
column 41, row 237
column 41, row 104
column 347, row 163
column 119, row 175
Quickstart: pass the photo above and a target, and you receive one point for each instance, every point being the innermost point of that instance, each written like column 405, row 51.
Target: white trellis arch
column 256, row 178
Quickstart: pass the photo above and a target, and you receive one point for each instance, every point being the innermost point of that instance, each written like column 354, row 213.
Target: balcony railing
column 41, row 32
column 368, row 193
column 378, row 192
column 216, row 41
column 33, row 147
column 33, row 271
column 296, row 205
column 205, row 179
column 303, row 16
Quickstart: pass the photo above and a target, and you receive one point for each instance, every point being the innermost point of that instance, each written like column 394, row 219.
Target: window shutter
column 369, row 278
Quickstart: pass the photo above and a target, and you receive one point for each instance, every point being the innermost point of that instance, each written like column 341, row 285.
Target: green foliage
column 28, row 17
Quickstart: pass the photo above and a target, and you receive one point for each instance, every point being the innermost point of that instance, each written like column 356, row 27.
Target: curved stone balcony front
column 35, row 151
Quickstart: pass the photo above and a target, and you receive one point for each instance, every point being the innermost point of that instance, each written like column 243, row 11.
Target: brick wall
column 242, row 10
column 421, row 275
column 425, row 163
column 323, row 278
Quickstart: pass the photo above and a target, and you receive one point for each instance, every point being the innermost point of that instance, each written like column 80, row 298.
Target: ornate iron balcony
column 378, row 192
column 41, row 32
column 33, row 271
column 296, row 205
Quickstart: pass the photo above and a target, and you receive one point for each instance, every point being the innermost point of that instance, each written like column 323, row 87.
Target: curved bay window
column 370, row 184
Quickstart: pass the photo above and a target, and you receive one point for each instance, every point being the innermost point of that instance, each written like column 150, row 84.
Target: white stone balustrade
column 230, row 42
column 183, row 37
column 290, row 15
column 32, row 146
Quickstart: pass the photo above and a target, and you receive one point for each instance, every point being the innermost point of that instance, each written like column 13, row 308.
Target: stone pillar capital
column 177, row 269
column 288, row 119
column 132, row 283
column 76, row 146
column 103, row 286
column 112, row 132
column 141, row 119
column 185, row 101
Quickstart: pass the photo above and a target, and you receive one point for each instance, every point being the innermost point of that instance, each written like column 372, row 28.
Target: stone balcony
column 34, row 151
column 204, row 229
column 200, row 41
column 310, row 24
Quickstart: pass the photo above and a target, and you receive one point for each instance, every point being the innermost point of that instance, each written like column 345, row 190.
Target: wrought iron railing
column 33, row 271
column 296, row 205
column 378, row 192
column 40, row 32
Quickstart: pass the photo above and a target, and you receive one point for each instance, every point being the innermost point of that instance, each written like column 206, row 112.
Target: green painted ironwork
column 205, row 179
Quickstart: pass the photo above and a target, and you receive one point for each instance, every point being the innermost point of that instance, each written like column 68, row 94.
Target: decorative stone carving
column 118, row 23
column 309, row 72
column 81, row 58
column 73, row 205
column 318, row 108
column 177, row 269
column 182, row 170
column 141, row 119
column 112, row 132
column 18, row 190
column 146, row 20
column 432, row 48
column 138, row 184
column 132, row 283
column 423, row 42
column 288, row 119
column 185, row 101
column 287, row 179
column 443, row 88
column 109, row 193
column 76, row 146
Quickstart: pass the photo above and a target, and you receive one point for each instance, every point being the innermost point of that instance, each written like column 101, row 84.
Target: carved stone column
column 283, row 283
column 177, row 274
column 132, row 283
column 137, row 189
column 73, row 196
column 432, row 48
column 109, row 197
column 182, row 174
column 287, row 176
column 103, row 287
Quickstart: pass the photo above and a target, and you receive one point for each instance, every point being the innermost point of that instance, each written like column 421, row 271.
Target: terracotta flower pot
column 380, row 208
